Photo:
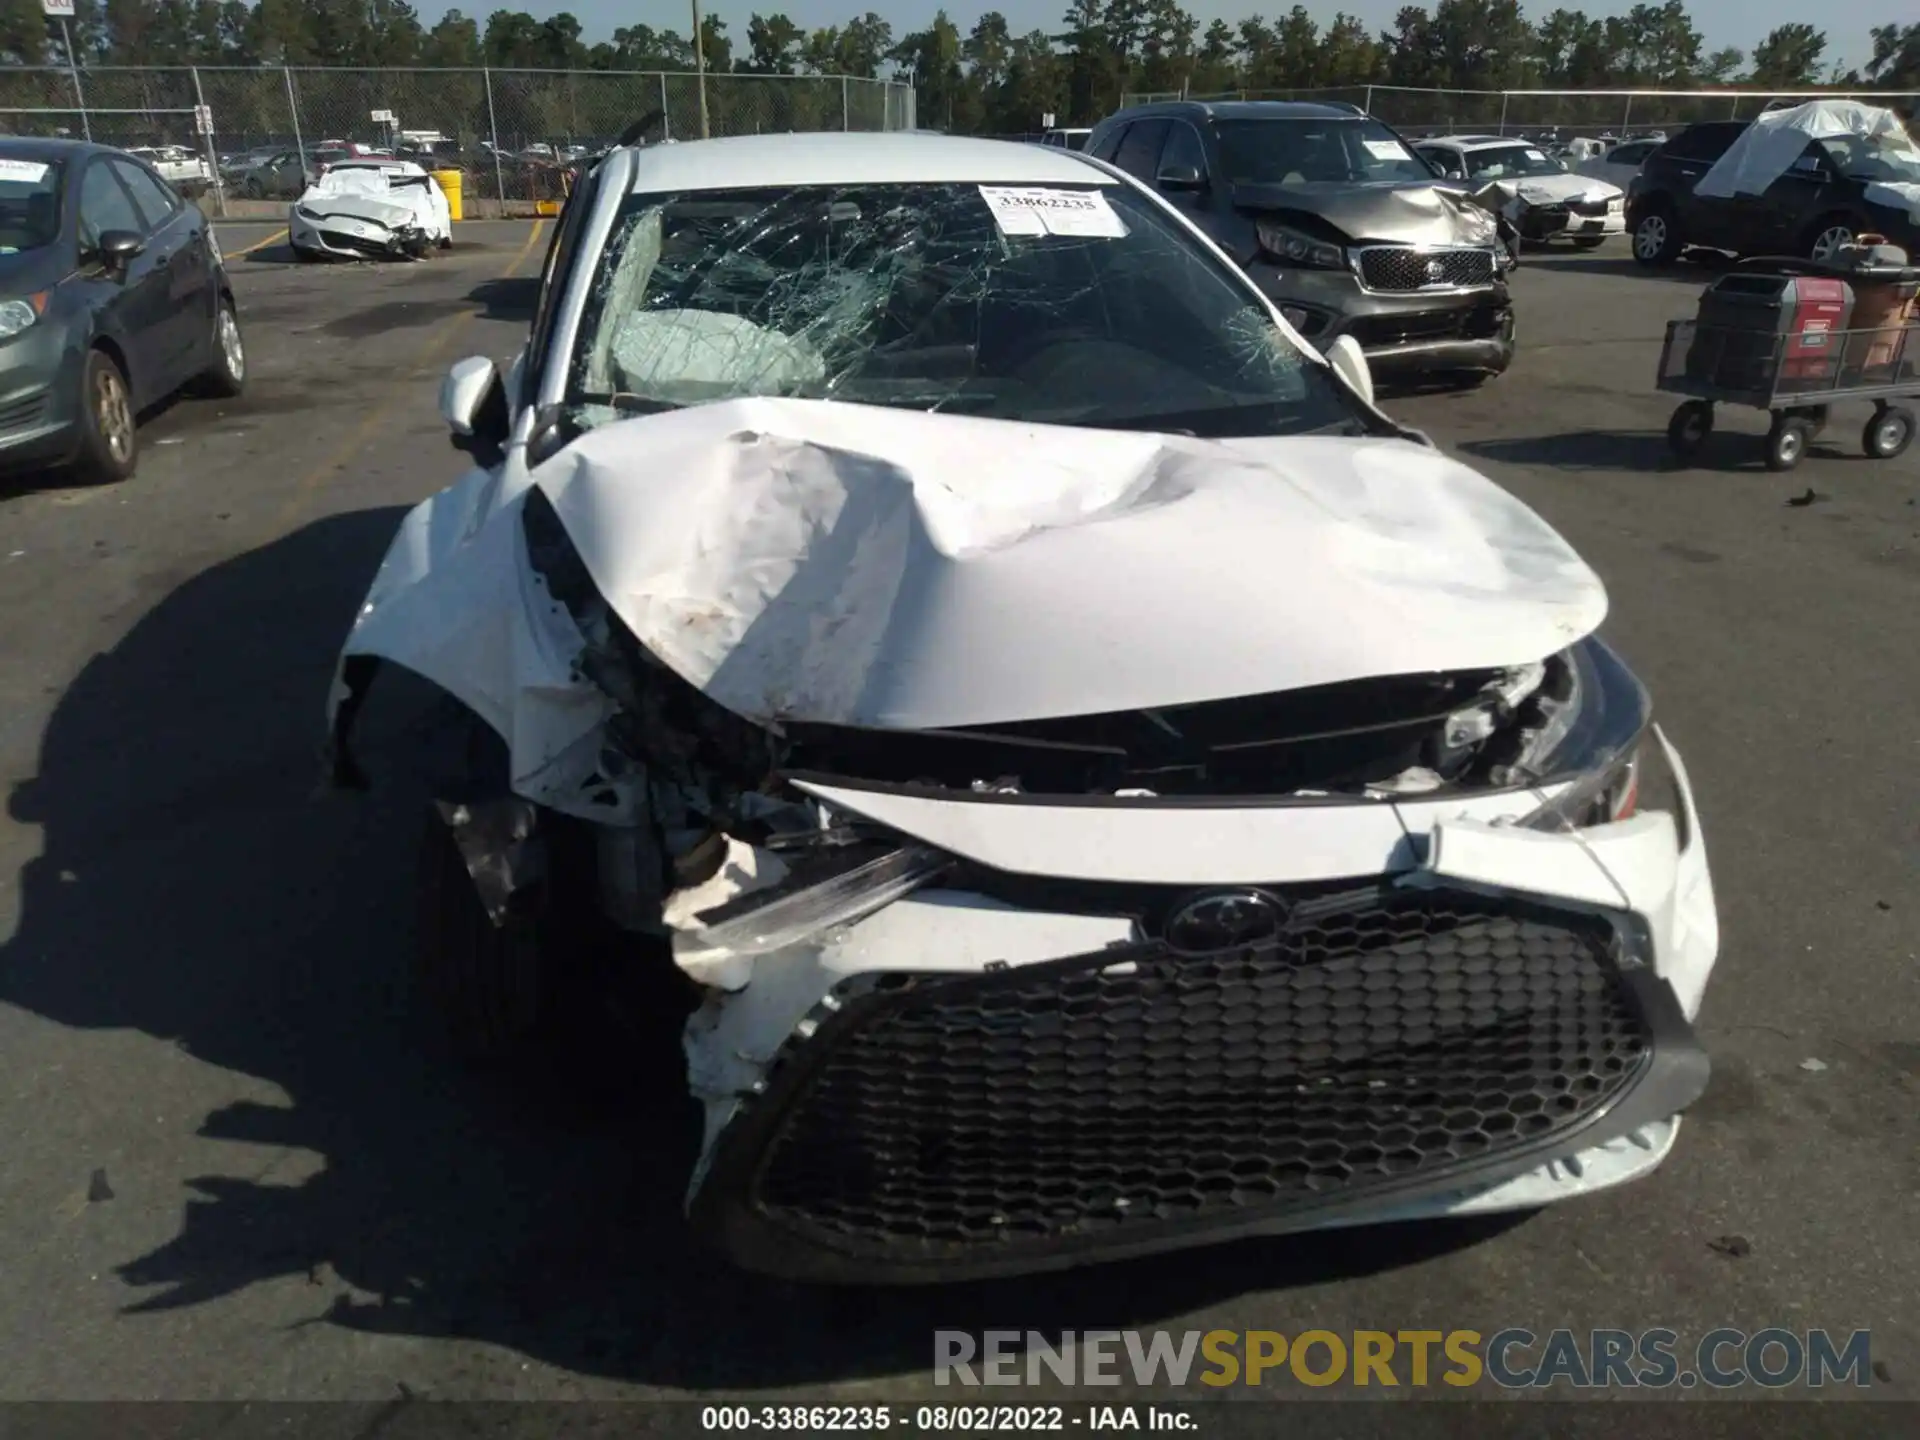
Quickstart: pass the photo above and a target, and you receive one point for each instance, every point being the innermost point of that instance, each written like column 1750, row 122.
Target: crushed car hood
column 368, row 195
column 1550, row 189
column 1401, row 212
column 803, row 560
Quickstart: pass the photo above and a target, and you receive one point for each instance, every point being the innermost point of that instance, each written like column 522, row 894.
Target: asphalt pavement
column 235, row 1168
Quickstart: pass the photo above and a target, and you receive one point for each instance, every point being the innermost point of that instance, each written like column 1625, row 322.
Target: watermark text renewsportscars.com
column 1513, row 1359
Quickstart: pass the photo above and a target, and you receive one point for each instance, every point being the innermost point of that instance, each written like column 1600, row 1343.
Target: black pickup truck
column 1818, row 205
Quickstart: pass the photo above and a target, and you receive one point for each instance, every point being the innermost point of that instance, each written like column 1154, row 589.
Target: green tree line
column 990, row 79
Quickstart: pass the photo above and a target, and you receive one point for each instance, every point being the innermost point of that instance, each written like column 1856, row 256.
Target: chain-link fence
column 1526, row 112
column 509, row 131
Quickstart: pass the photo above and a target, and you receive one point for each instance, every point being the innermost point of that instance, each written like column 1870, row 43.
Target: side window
column 1447, row 162
column 157, row 203
column 105, row 205
column 1109, row 143
column 1703, row 142
column 1183, row 151
column 1141, row 148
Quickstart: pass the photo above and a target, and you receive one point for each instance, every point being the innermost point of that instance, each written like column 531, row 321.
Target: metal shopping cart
column 1797, row 364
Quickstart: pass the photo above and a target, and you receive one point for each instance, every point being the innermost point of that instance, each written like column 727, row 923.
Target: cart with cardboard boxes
column 1795, row 337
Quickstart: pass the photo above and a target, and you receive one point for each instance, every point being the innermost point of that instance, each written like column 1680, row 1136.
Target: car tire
column 488, row 983
column 1888, row 433
column 1656, row 235
column 226, row 373
column 1824, row 237
column 109, row 430
column 253, row 190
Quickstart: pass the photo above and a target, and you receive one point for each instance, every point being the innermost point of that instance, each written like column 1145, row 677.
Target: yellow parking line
column 257, row 245
column 363, row 433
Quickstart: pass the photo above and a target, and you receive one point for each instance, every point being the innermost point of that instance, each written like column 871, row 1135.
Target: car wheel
column 110, row 437
column 1825, row 237
column 226, row 372
column 1787, row 442
column 253, row 190
column 1692, row 423
column 1888, row 433
column 486, row 981
column 1656, row 238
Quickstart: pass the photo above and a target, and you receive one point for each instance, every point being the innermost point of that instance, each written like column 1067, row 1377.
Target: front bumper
column 1418, row 330
column 958, row 1086
column 1592, row 220
column 351, row 237
column 39, row 400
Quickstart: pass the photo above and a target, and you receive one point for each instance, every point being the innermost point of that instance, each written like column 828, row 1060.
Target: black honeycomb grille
column 1387, row 267
column 1372, row 1045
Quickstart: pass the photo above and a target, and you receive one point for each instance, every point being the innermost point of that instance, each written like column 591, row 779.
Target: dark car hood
column 30, row 271
column 1411, row 212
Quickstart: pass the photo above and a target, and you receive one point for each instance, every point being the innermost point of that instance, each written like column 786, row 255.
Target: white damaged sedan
column 1094, row 783
column 370, row 209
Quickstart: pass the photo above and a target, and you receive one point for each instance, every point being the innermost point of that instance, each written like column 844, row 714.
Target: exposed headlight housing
column 18, row 315
column 1292, row 247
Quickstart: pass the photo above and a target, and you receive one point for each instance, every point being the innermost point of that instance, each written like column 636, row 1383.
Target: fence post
column 1367, row 104
column 493, row 131
column 1503, row 114
column 73, row 69
column 1734, row 113
column 1626, row 120
column 666, row 123
column 213, row 156
column 846, row 117
column 293, row 113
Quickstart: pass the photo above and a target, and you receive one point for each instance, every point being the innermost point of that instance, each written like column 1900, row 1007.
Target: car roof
column 843, row 158
column 1242, row 110
column 1482, row 142
column 35, row 147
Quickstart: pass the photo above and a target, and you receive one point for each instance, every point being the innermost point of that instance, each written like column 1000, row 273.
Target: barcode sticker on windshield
column 1025, row 211
column 24, row 170
column 1387, row 150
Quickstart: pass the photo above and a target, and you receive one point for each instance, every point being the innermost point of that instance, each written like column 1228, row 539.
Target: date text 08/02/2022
column 934, row 1419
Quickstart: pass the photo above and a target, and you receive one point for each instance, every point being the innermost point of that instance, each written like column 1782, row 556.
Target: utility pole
column 700, row 69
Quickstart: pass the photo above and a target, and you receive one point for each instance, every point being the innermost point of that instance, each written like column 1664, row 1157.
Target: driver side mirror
column 117, row 248
column 1349, row 362
column 473, row 402
column 1181, row 177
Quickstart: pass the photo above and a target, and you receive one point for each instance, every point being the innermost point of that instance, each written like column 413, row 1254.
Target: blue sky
column 1724, row 22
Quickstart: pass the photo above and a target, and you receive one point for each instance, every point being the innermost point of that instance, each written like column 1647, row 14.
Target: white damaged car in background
column 370, row 209
column 1538, row 195
column 1092, row 782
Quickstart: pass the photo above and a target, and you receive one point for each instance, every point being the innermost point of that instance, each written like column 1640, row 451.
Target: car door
column 133, row 305
column 1791, row 205
column 1182, row 156
column 177, row 239
column 1712, row 220
column 1139, row 152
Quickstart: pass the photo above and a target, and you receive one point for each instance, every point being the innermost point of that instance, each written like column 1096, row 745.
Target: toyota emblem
column 1224, row 920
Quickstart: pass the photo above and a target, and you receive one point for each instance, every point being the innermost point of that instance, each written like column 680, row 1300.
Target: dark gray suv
column 1336, row 219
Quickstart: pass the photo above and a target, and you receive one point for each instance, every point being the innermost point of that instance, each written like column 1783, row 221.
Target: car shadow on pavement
column 513, row 299
column 1591, row 450
column 1700, row 267
column 193, row 886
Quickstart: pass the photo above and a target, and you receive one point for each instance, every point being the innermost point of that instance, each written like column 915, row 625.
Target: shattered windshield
column 1302, row 152
column 1066, row 306
column 1503, row 162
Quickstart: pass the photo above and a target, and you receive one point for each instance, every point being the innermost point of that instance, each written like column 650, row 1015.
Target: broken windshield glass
column 1073, row 306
